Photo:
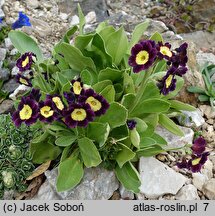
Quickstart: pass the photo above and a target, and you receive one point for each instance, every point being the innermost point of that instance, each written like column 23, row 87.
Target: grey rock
column 208, row 169
column 46, row 192
column 200, row 38
column 6, row 107
column 14, row 51
column 125, row 194
column 97, row 184
column 18, row 91
column 10, row 86
column 199, row 180
column 15, row 71
column 173, row 140
column 203, row 58
column 8, row 43
column 32, row 4
column 3, row 53
column 63, row 16
column 2, row 13
column 2, row 2
column 4, row 74
column 41, row 27
column 191, row 118
column 188, row 192
column 9, row 195
column 209, row 189
column 90, row 17
column 207, row 111
column 74, row 20
column 158, row 179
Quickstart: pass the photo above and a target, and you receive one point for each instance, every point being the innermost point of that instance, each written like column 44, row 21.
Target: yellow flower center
column 79, row 114
column 142, row 57
column 169, row 81
column 77, row 87
column 23, row 81
column 25, row 62
column 94, row 103
column 58, row 103
column 46, row 111
column 196, row 161
column 25, row 113
column 165, row 51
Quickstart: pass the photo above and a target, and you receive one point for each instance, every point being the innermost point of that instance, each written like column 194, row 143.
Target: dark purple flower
column 77, row 86
column 23, row 20
column 58, row 104
column 78, row 115
column 180, row 71
column 23, row 80
column 167, row 84
column 180, row 57
column 46, row 111
column 195, row 164
column 131, row 124
column 143, row 55
column 164, row 50
column 183, row 164
column 35, row 94
column 98, row 103
column 27, row 112
column 25, row 61
column 198, row 146
column 70, row 97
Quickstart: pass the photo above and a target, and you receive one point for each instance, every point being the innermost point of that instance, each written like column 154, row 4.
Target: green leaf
column 150, row 106
column 166, row 122
column 138, row 33
column 178, row 105
column 24, row 43
column 128, row 84
column 106, row 32
column 194, row 89
column 110, row 74
column 141, row 126
column 74, row 57
column 115, row 116
column 65, row 138
column 70, row 173
column 129, row 177
column 128, row 100
column 159, row 140
column 98, row 132
column 44, row 151
column 156, row 37
column 98, row 87
column 160, row 66
column 119, row 133
column 150, row 151
column 88, row 77
column 67, row 37
column 203, row 98
column 81, row 41
column 117, row 45
column 124, row 155
column 89, row 152
column 146, row 142
column 82, row 20
column 135, row 138
column 108, row 93
column 119, row 91
column 151, row 91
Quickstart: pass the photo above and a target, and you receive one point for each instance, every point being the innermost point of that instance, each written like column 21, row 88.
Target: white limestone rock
column 158, row 179
column 188, row 192
column 199, row 180
column 173, row 140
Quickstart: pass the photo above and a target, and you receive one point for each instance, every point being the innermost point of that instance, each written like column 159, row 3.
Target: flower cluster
column 145, row 53
column 24, row 64
column 198, row 157
column 77, row 108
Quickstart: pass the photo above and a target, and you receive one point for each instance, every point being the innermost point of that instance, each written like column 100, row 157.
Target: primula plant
column 99, row 98
column 15, row 160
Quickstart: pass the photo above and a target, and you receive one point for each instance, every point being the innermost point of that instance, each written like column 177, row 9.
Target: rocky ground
column 50, row 19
